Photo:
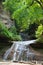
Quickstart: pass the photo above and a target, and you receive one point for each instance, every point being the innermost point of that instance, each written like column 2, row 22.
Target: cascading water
column 20, row 50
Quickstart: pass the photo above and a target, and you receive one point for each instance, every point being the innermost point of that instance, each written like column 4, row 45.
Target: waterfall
column 20, row 50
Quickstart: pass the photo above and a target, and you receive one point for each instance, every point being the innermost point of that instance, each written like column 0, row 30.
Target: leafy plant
column 6, row 33
column 39, row 33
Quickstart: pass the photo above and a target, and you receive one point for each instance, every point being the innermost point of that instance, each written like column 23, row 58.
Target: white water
column 19, row 48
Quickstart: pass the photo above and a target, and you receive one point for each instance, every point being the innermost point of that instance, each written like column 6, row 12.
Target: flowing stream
column 20, row 50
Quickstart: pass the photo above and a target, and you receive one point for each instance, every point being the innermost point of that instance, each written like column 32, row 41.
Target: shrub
column 39, row 33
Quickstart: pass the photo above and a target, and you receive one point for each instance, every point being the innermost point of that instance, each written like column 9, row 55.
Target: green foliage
column 25, row 16
column 13, row 30
column 13, row 5
column 23, row 12
column 4, row 30
column 26, row 13
column 6, row 33
column 39, row 33
column 21, row 16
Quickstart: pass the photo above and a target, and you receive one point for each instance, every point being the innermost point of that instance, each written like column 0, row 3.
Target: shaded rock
column 37, row 45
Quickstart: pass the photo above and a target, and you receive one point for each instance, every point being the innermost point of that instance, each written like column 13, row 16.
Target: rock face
column 5, row 17
column 6, row 20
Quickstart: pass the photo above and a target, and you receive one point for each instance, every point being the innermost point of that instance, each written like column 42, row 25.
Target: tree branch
column 39, row 3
